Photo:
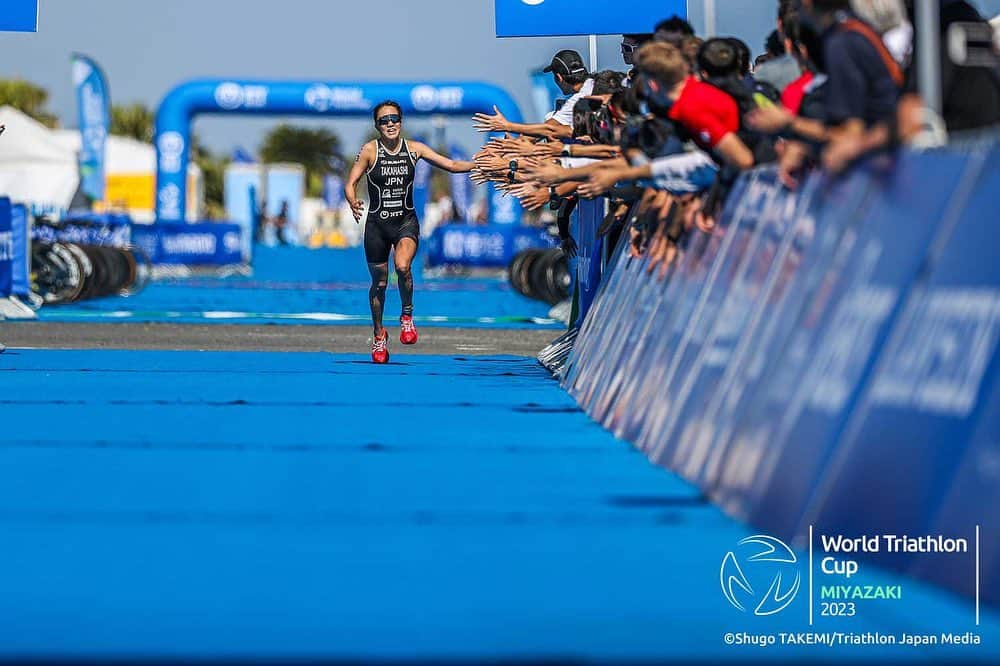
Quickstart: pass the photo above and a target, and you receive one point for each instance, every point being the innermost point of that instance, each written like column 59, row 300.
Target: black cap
column 566, row 62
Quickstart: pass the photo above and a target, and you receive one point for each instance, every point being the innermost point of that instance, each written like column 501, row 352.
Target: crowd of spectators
column 666, row 139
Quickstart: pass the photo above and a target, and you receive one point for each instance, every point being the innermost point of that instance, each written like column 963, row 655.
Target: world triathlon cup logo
column 761, row 572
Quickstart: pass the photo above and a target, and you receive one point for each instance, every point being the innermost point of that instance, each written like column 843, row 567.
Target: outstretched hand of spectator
column 598, row 183
column 533, row 197
column 487, row 123
column 488, row 162
column 544, row 172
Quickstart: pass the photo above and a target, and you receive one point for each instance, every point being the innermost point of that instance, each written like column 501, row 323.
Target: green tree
column 27, row 98
column 134, row 120
column 315, row 149
column 213, row 172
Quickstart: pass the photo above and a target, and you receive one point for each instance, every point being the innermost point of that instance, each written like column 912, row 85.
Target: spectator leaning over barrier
column 708, row 116
column 861, row 92
column 571, row 76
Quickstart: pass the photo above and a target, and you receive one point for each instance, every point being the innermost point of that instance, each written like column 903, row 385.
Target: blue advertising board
column 674, row 366
column 6, row 248
column 589, row 214
column 19, row 16
column 482, row 246
column 736, row 448
column 549, row 18
column 845, row 327
column 86, row 228
column 929, row 387
column 201, row 244
column 21, row 266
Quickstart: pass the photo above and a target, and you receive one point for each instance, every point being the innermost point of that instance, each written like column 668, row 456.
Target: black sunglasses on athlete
column 394, row 118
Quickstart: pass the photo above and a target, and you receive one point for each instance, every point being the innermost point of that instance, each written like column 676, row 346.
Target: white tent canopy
column 35, row 168
column 38, row 165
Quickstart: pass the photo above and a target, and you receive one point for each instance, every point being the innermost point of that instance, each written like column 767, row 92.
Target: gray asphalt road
column 222, row 337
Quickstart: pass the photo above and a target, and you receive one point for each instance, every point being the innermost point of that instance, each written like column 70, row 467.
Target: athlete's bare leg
column 406, row 249
column 376, row 294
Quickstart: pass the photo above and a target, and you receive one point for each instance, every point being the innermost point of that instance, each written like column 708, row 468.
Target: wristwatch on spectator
column 567, row 150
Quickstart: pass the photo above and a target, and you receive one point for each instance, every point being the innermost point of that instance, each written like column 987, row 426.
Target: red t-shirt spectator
column 795, row 92
column 706, row 112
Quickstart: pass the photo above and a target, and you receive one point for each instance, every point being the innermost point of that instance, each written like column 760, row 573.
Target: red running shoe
column 380, row 348
column 407, row 331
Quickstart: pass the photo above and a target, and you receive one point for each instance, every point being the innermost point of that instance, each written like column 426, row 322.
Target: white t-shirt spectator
column 564, row 116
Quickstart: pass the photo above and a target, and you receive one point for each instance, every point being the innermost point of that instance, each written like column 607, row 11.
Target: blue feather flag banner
column 94, row 114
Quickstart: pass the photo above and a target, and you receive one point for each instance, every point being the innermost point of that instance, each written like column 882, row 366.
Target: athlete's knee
column 404, row 270
column 379, row 273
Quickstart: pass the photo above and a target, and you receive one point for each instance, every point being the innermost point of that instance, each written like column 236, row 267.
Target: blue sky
column 148, row 46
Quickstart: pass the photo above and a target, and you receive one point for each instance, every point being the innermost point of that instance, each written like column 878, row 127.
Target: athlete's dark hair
column 388, row 102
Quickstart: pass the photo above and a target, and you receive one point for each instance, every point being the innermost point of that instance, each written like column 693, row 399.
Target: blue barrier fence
column 106, row 229
column 14, row 249
column 482, row 246
column 825, row 357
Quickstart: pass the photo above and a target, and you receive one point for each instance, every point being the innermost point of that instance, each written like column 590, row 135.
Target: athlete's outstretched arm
column 424, row 151
column 362, row 163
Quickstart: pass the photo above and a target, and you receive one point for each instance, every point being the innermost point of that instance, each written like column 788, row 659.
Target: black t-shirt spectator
column 970, row 95
column 860, row 85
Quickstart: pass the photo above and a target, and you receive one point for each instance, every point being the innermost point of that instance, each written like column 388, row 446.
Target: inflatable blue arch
column 307, row 98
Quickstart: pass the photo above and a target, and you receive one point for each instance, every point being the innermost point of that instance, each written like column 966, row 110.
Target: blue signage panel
column 203, row 244
column 846, row 327
column 547, row 18
column 482, row 245
column 6, row 248
column 928, row 392
column 21, row 265
column 19, row 16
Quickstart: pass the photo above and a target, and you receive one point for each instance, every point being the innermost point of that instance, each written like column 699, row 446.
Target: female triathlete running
column 389, row 163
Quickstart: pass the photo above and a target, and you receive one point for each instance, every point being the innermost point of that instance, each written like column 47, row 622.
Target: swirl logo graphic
column 424, row 98
column 229, row 96
column 761, row 572
column 171, row 146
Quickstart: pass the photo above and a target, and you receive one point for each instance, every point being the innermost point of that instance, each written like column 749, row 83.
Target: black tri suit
column 391, row 216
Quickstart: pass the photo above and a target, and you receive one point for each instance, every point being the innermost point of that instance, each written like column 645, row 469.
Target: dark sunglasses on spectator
column 394, row 118
column 629, row 49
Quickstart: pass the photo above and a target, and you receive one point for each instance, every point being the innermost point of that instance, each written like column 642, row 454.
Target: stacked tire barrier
column 823, row 358
column 541, row 274
column 68, row 272
column 86, row 256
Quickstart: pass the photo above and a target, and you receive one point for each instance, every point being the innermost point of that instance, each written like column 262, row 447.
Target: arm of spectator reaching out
column 550, row 129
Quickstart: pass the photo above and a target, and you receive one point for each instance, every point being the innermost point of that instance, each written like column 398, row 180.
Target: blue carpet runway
column 227, row 505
